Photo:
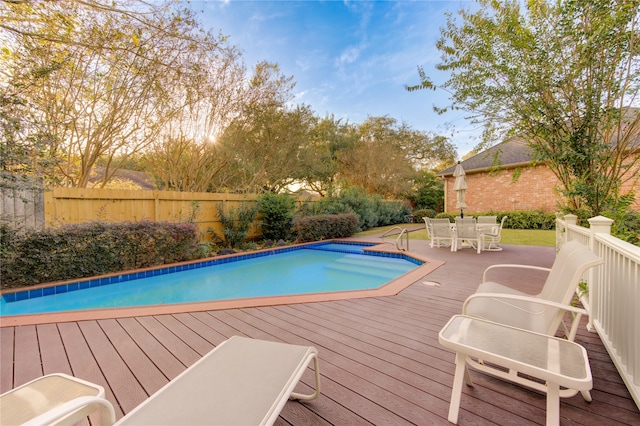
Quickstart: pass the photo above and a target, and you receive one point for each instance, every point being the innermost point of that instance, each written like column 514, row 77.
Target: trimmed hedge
column 94, row 248
column 325, row 227
column 517, row 219
column 417, row 215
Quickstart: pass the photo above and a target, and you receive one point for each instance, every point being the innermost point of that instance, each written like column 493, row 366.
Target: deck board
column 7, row 346
column 148, row 374
column 380, row 359
column 27, row 366
column 53, row 356
column 170, row 341
column 156, row 352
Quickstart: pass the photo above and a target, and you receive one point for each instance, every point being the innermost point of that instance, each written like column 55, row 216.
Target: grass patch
column 529, row 237
column 523, row 237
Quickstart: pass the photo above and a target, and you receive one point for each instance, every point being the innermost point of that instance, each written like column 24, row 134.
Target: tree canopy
column 90, row 81
column 86, row 83
column 564, row 76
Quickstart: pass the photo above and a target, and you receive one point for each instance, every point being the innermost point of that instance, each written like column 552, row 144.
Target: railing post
column 569, row 219
column 600, row 225
column 597, row 225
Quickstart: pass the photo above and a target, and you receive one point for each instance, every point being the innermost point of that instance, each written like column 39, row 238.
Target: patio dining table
column 481, row 228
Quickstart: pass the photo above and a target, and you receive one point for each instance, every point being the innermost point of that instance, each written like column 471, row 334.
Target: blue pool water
column 319, row 268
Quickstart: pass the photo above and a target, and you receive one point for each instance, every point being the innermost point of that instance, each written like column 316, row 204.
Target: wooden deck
column 380, row 358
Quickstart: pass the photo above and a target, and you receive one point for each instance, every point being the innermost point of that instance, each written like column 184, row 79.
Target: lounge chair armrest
column 74, row 410
column 512, row 265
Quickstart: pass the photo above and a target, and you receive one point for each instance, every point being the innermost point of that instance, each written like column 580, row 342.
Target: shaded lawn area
column 524, row 237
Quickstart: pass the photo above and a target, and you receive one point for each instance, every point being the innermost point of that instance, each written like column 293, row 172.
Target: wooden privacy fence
column 22, row 206
column 76, row 205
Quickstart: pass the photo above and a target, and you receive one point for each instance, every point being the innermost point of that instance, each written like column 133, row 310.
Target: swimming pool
column 314, row 268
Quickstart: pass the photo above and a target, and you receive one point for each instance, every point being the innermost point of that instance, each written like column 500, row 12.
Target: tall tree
column 564, row 76
column 386, row 156
column 107, row 80
column 180, row 163
column 319, row 163
column 261, row 144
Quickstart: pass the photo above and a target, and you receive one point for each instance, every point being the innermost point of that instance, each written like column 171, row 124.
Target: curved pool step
column 380, row 263
column 383, row 271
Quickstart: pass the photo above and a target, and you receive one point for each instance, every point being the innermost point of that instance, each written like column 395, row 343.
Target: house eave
column 501, row 166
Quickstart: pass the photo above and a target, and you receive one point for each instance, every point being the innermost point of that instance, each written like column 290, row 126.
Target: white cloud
column 349, row 55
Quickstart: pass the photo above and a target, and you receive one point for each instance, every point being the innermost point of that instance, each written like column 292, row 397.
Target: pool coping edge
column 390, row 289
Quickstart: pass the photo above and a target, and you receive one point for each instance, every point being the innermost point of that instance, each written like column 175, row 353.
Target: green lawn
column 525, row 237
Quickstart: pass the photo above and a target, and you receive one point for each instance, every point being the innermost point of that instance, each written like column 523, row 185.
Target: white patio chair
column 443, row 234
column 467, row 231
column 487, row 220
column 541, row 313
column 428, row 225
column 491, row 234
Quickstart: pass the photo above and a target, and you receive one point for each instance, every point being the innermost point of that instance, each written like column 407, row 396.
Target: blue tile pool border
column 81, row 285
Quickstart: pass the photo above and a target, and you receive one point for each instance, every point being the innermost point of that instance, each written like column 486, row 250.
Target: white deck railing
column 613, row 300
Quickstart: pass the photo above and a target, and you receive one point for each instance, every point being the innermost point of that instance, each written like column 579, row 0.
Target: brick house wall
column 499, row 191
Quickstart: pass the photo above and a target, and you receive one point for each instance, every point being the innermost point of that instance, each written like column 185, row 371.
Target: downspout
column 446, row 197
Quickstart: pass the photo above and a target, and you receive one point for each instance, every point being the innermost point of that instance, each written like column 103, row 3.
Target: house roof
column 510, row 153
column 516, row 152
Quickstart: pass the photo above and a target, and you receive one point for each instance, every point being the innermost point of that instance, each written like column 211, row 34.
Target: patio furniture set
column 481, row 234
column 501, row 331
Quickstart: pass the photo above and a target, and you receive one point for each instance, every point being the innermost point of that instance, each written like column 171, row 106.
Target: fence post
column 597, row 225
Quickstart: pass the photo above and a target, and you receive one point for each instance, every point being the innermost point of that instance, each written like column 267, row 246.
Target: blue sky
column 349, row 58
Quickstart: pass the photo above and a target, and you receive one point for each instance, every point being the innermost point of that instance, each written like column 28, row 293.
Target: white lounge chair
column 33, row 402
column 442, row 234
column 467, row 231
column 542, row 313
column 241, row 382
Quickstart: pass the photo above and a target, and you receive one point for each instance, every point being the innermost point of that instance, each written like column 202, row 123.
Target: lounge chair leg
column 553, row 404
column 586, row 395
column 303, row 397
column 467, row 376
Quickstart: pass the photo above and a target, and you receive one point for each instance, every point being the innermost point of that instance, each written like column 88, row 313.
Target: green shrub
column 417, row 215
column 428, row 192
column 517, row 219
column 626, row 226
column 276, row 212
column 323, row 206
column 530, row 219
column 7, row 237
column 372, row 210
column 235, row 225
column 626, row 221
column 391, row 212
column 95, row 248
column 324, row 227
